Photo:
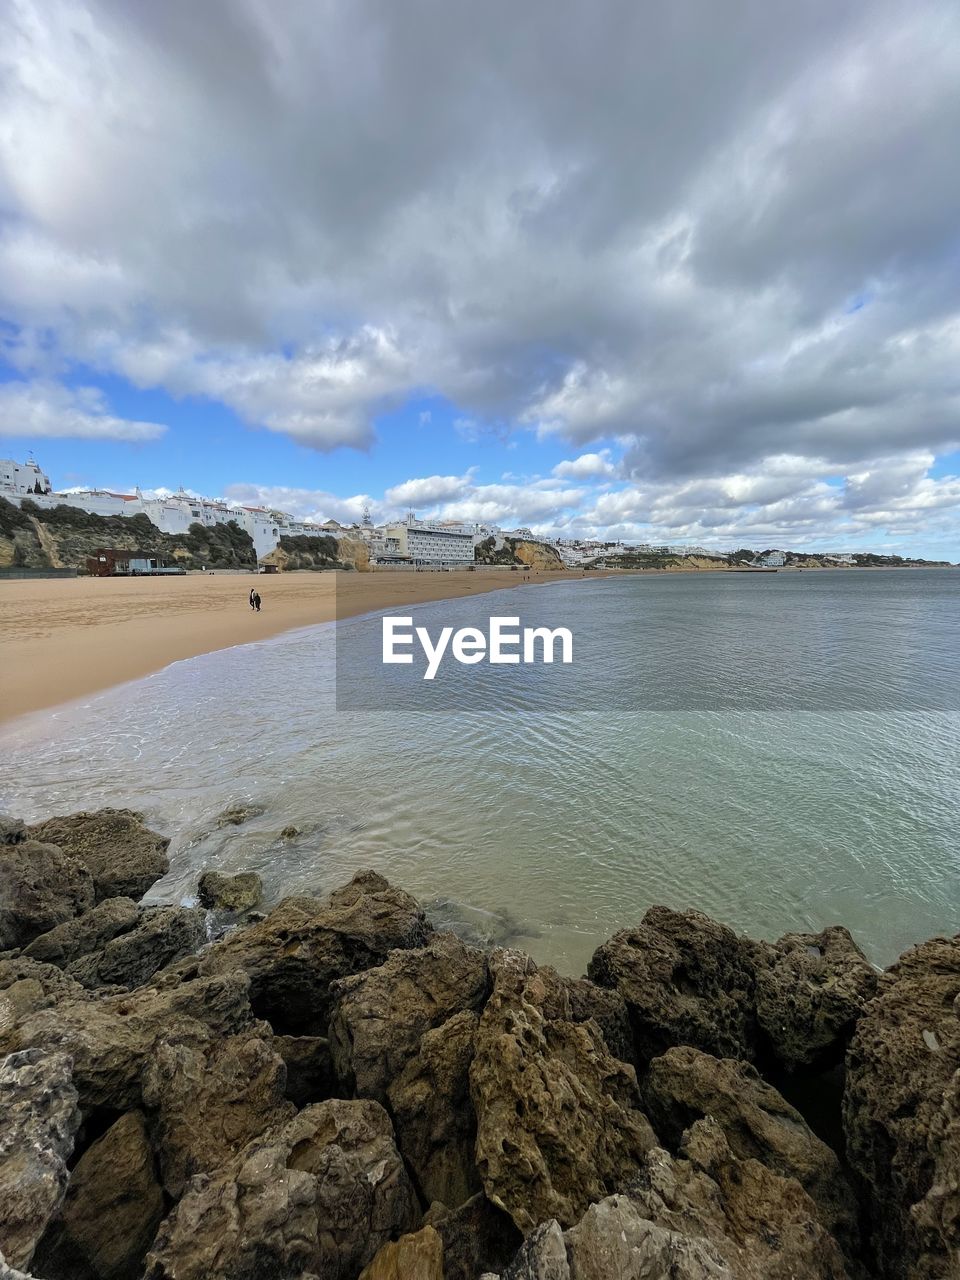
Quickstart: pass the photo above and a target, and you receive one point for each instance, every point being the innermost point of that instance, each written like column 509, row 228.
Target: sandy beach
column 66, row 638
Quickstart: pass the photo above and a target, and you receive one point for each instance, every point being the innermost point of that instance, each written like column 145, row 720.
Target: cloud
column 428, row 490
column 586, row 466
column 717, row 237
column 49, row 410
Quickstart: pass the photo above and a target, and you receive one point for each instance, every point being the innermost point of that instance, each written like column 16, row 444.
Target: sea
column 781, row 751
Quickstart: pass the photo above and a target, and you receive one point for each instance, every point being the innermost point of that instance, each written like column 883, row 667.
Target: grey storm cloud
column 717, row 234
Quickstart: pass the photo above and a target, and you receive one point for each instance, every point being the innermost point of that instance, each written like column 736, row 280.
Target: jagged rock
column 305, row 943
column 558, row 1124
column 685, row 1085
column 229, row 893
column 764, row 1226
column 320, row 1194
column 608, row 1010
column 310, row 1075
column 380, row 1015
column 40, row 887
column 686, row 980
column 122, row 854
column 12, row 830
column 236, row 815
column 811, row 988
column 112, row 1209
column 38, row 1104
column 476, row 1236
column 899, row 1110
column 11, row 1273
column 89, row 932
column 26, row 985
column 412, row 1257
column 164, row 934
column 542, row 1256
column 433, row 1114
column 112, row 1039
column 210, row 1101
column 613, row 1238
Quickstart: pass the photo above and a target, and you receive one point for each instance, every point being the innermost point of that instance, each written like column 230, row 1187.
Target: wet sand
column 65, row 638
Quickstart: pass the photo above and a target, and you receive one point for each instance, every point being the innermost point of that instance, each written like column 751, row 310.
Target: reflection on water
column 542, row 823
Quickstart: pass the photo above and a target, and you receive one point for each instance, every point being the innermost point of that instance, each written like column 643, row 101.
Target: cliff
column 517, row 551
column 35, row 537
column 337, row 1089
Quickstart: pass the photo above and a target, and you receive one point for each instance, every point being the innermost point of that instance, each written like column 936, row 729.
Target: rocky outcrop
column 85, row 934
column 685, row 1085
column 163, row 935
column 310, row 1076
column 207, row 1102
column 433, row 1115
column 708, row 1216
column 686, row 980
column 12, row 830
column 26, row 986
column 112, row 1209
column 38, row 1104
column 40, row 888
column 122, row 855
column 558, row 1119
column 305, row 944
column 810, row 990
column 319, row 1195
column 237, row 893
column 413, row 1257
column 381, row 1014
column 900, row 1112
column 111, row 1040
column 476, row 1237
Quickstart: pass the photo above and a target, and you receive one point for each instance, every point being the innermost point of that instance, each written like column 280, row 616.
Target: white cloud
column 49, row 410
column 586, row 466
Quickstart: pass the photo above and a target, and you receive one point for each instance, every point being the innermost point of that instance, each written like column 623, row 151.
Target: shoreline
column 68, row 638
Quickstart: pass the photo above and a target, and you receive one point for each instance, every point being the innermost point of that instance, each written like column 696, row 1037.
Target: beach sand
column 65, row 638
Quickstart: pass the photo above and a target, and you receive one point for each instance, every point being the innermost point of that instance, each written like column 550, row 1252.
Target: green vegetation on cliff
column 35, row 537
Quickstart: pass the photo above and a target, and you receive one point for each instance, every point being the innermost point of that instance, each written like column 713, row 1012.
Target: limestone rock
column 608, row 1010
column 89, row 932
column 210, row 1101
column 542, row 1256
column 686, row 980
column 112, row 1039
column 11, row 1273
column 899, row 1109
column 122, row 854
column 229, row 893
column 26, row 985
column 413, row 1257
column 433, row 1114
column 811, row 988
column 304, row 944
column 12, row 830
column 558, row 1123
column 476, row 1236
column 685, row 1085
column 112, row 1209
column 310, row 1076
column 40, row 887
column 236, row 815
column 163, row 935
column 320, row 1194
column 380, row 1015
column 38, row 1104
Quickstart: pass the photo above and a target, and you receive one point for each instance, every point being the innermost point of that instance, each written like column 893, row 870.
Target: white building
column 23, row 479
column 435, row 542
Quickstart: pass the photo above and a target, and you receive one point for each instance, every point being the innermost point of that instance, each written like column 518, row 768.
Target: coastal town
column 408, row 542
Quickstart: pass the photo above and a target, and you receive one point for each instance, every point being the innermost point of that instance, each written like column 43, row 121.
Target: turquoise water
column 780, row 752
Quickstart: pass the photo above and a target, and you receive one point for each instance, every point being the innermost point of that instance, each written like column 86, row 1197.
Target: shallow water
column 780, row 752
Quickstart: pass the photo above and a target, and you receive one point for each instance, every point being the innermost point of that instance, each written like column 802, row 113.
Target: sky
column 671, row 273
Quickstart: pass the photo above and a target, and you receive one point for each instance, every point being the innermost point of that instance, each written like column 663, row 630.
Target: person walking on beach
column 252, row 594
column 256, row 601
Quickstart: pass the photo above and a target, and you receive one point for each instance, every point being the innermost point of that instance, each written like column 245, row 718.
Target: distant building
column 22, row 479
column 432, row 542
column 774, row 559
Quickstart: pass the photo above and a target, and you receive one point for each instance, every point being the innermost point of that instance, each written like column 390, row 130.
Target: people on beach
column 256, row 601
column 252, row 594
